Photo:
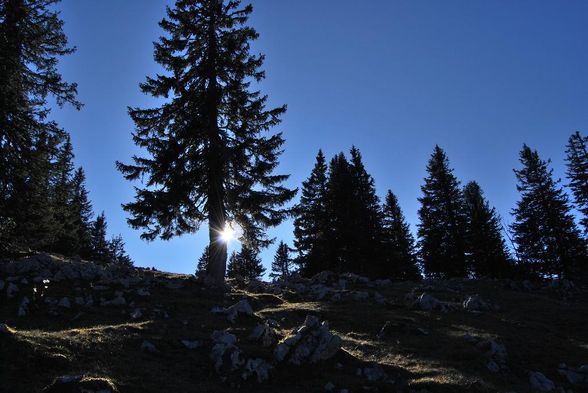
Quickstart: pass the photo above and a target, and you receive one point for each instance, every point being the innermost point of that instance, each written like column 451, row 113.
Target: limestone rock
column 23, row 308
column 241, row 307
column 78, row 383
column 258, row 367
column 264, row 333
column 147, row 346
column 191, row 344
column 310, row 343
column 64, row 302
column 577, row 377
column 11, row 289
column 225, row 355
column 476, row 303
column 373, row 374
column 427, row 302
column 136, row 313
column 540, row 382
column 4, row 329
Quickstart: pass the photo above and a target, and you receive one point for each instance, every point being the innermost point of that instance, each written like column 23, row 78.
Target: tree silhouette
column 245, row 264
column 399, row 250
column 577, row 163
column 486, row 251
column 547, row 238
column 208, row 159
column 282, row 263
column 441, row 226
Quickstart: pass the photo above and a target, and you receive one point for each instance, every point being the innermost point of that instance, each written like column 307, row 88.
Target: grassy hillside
column 442, row 350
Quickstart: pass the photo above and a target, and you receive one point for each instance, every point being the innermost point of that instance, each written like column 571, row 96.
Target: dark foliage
column 577, row 163
column 245, row 264
column 441, row 227
column 282, row 263
column 208, row 158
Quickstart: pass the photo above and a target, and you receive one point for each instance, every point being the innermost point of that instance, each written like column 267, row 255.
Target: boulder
column 191, row 344
column 540, row 382
column 225, row 355
column 577, row 377
column 147, row 346
column 241, row 307
column 11, row 289
column 265, row 334
column 23, row 308
column 4, row 329
column 310, row 343
column 136, row 314
column 476, row 304
column 427, row 302
column 373, row 374
column 258, row 367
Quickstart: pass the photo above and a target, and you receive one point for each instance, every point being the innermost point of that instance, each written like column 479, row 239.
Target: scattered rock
column 23, row 308
column 373, row 374
column 427, row 302
column 143, row 292
column 11, row 289
column 540, row 382
column 225, row 355
column 191, row 344
column 4, row 329
column 64, row 303
column 329, row 387
column 241, row 307
column 81, row 384
column 118, row 300
column 310, row 343
column 147, row 346
column 258, row 367
column 379, row 298
column 577, row 377
column 264, row 333
column 136, row 313
column 476, row 304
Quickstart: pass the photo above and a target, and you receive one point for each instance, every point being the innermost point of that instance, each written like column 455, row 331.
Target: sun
column 227, row 234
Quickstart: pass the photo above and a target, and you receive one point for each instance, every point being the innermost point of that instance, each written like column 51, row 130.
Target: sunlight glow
column 229, row 233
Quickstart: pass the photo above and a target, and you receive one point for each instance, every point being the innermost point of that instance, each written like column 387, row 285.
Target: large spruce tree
column 577, row 163
column 311, row 221
column 399, row 255
column 81, row 208
column 441, row 227
column 486, row 251
column 31, row 42
column 209, row 159
column 547, row 238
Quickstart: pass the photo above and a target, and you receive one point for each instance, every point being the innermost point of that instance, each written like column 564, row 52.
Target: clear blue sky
column 479, row 78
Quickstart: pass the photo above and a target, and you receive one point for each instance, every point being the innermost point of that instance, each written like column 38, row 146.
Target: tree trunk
column 217, row 259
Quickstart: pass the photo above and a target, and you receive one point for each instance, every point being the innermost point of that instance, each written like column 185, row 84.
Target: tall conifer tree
column 486, row 251
column 31, row 41
column 399, row 254
column 100, row 245
column 81, row 208
column 282, row 263
column 208, row 157
column 62, row 200
column 577, row 163
column 311, row 221
column 547, row 238
column 441, row 227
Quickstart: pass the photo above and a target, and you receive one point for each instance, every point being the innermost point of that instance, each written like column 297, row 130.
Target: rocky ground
column 72, row 326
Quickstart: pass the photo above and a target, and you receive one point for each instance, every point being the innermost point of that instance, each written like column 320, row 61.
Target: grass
column 540, row 329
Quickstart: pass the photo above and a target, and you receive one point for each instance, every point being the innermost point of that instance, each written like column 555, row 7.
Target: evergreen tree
column 365, row 253
column 547, row 238
column 577, row 172
column 83, row 213
column 441, row 227
column 399, row 250
column 117, row 253
column 100, row 246
column 202, row 262
column 62, row 196
column 311, row 222
column 282, row 264
column 341, row 228
column 486, row 251
column 31, row 41
column 246, row 264
column 209, row 160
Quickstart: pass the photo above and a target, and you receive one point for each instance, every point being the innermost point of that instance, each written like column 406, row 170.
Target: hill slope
column 136, row 330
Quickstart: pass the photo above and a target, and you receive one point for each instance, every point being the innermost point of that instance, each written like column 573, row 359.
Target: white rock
column 136, row 314
column 476, row 303
column 259, row 367
column 540, row 382
column 427, row 302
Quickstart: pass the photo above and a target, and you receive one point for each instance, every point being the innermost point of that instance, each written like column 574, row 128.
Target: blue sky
column 394, row 78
